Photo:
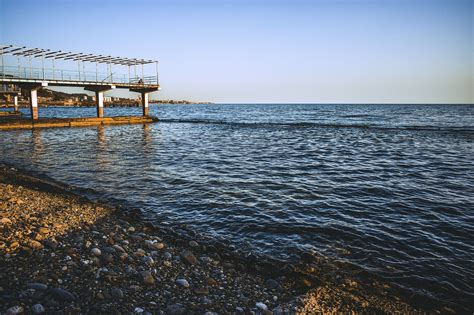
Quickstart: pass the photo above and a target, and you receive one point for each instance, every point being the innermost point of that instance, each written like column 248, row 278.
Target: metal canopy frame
column 59, row 54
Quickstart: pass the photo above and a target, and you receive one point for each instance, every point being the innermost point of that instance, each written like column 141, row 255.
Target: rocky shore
column 61, row 253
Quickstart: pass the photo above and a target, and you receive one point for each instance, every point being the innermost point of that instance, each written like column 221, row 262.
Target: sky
column 256, row 51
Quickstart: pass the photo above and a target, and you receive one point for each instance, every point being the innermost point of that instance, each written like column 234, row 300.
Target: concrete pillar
column 15, row 103
column 34, row 103
column 99, row 101
column 99, row 96
column 144, row 92
column 33, row 89
column 145, row 103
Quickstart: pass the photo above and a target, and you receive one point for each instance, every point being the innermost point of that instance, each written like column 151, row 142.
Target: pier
column 30, row 69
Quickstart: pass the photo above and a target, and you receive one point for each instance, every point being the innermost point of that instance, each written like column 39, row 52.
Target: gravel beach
column 62, row 253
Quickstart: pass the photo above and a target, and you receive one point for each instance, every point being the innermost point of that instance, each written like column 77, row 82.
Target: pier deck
column 25, row 123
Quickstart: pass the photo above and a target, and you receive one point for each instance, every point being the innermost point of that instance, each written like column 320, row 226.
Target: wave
column 466, row 129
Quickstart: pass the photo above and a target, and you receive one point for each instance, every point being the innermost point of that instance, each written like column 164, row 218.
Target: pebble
column 147, row 277
column 38, row 309
column 43, row 230
column 61, row 295
column 35, row 244
column 159, row 245
column 107, row 258
column 201, row 291
column 116, row 293
column 193, row 244
column 50, row 244
column 261, row 306
column 148, row 261
column 14, row 310
column 109, row 250
column 5, row 221
column 96, row 252
column 211, row 281
column 188, row 257
column 140, row 252
column 119, row 248
column 175, row 309
column 138, row 310
column 271, row 284
column 149, row 244
column 167, row 255
column 182, row 282
column 37, row 286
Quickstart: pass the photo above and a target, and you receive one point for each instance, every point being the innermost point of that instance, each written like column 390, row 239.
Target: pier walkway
column 31, row 69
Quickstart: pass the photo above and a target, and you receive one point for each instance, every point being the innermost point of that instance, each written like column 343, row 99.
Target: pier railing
column 28, row 73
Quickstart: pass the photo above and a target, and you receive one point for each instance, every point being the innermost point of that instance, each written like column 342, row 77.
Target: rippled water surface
column 387, row 187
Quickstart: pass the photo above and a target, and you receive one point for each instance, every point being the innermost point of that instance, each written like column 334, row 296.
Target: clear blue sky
column 410, row 51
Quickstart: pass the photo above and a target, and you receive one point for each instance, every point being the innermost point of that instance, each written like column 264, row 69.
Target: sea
column 388, row 188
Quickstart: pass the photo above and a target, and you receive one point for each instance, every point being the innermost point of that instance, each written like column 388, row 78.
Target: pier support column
column 99, row 96
column 15, row 103
column 99, row 101
column 145, row 97
column 34, row 103
column 145, row 103
column 33, row 89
